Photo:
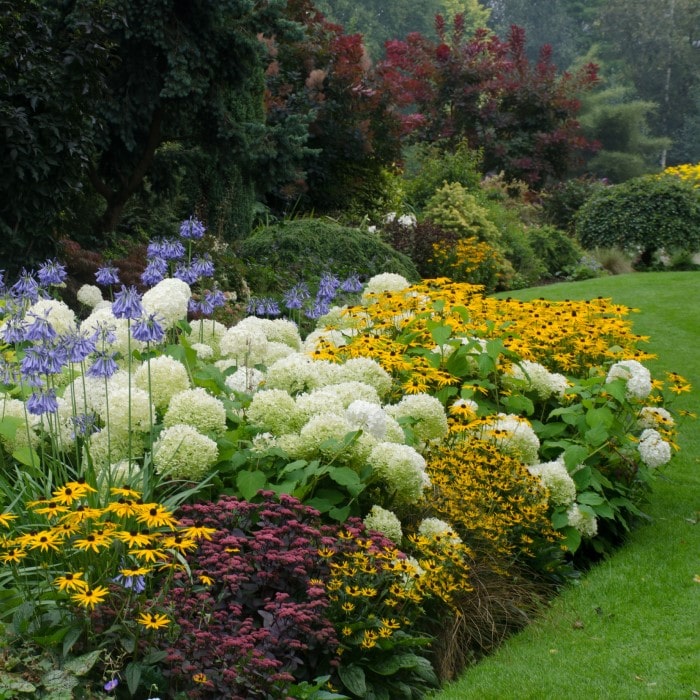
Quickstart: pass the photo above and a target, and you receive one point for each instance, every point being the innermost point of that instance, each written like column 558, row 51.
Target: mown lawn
column 631, row 627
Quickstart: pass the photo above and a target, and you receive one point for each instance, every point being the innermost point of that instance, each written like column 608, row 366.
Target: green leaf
column 344, row 476
column 81, row 665
column 353, row 678
column 340, row 514
column 560, row 519
column 11, row 682
column 27, row 456
column 59, row 683
column 582, row 478
column 590, row 498
column 599, row 417
column 9, row 426
column 438, row 332
column 517, row 403
column 249, row 483
column 572, row 539
column 575, row 455
column 133, row 677
column 389, row 665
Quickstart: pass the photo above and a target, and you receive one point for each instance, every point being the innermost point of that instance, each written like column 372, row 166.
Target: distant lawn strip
column 630, row 629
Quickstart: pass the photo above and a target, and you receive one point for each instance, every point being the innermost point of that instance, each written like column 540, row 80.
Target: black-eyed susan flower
column 44, row 541
column 6, row 519
column 93, row 541
column 14, row 556
column 134, row 538
column 156, row 515
column 125, row 492
column 153, row 621
column 196, row 532
column 71, row 581
column 90, row 597
column 206, row 580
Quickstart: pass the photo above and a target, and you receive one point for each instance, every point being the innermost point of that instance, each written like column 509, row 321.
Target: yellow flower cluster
column 569, row 336
column 469, row 260
column 492, row 500
column 687, row 171
column 372, row 592
column 124, row 541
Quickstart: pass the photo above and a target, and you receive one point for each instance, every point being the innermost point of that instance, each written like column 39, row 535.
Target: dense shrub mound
column 281, row 254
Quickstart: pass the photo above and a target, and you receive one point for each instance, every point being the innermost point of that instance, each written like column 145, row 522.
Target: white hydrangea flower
column 247, row 380
column 407, row 220
column 107, row 446
column 514, row 436
column 542, row 381
column 58, row 314
column 583, row 520
column 262, row 442
column 297, row 373
column 128, row 410
column 197, row 407
column 27, row 424
column 169, row 299
column 427, row 412
column 123, row 472
column 89, row 295
column 273, row 410
column 333, row 337
column 402, row 469
column 367, row 370
column 278, row 330
column 384, row 521
column 182, row 452
column 554, row 475
column 204, row 351
column 275, row 351
column 209, row 332
column 636, row 375
column 434, row 527
column 654, row 417
column 246, row 345
column 653, row 449
column 338, row 318
column 322, row 400
column 367, row 416
column 348, row 392
column 319, row 429
column 385, row 282
column 393, row 431
column 163, row 376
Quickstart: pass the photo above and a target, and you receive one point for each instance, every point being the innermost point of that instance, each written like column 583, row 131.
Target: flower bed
column 190, row 509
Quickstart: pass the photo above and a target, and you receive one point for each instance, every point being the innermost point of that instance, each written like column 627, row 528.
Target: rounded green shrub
column 280, row 255
column 643, row 215
column 554, row 248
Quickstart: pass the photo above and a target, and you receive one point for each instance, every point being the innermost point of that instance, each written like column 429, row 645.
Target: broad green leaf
column 344, row 476
column 80, row 665
column 27, row 456
column 353, row 678
column 590, row 498
column 389, row 665
column 249, row 483
column 133, row 677
column 11, row 682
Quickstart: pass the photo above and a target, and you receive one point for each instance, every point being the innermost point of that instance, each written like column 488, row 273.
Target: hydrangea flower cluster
column 653, row 449
column 636, row 376
column 556, row 478
column 543, row 382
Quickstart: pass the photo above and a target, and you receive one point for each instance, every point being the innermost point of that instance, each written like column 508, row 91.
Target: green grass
column 631, row 627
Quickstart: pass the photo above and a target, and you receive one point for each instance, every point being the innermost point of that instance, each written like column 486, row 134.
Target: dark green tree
column 53, row 63
column 192, row 74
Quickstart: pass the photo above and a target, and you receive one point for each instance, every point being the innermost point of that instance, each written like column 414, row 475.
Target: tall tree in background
column 522, row 115
column 189, row 73
column 381, row 20
column 354, row 131
column 566, row 25
column 656, row 44
column 53, row 64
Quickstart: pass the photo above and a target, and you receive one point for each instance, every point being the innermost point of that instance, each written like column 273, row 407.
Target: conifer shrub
column 280, row 255
column 556, row 250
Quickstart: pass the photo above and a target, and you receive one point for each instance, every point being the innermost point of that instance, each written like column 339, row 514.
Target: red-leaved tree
column 485, row 90
column 354, row 130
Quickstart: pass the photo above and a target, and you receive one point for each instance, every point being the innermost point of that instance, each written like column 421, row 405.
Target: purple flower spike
column 107, row 275
column 26, row 287
column 52, row 272
column 352, row 284
column 103, row 366
column 148, row 330
column 192, row 229
column 127, row 303
column 41, row 402
column 155, row 271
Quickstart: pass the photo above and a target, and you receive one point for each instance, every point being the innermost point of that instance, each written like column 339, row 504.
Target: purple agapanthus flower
column 84, row 424
column 321, row 307
column 79, row 345
column 134, row 583
column 127, row 303
column 26, row 287
column 192, row 228
column 296, row 296
column 186, row 273
column 104, row 365
column 352, row 284
column 40, row 328
column 52, row 272
column 44, row 358
column 166, row 248
column 156, row 269
column 148, row 329
column 107, row 275
column 328, row 286
column 13, row 329
column 203, row 265
column 43, row 401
